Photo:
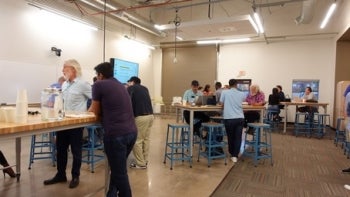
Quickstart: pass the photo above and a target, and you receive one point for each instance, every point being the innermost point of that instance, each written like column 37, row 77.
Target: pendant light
column 177, row 22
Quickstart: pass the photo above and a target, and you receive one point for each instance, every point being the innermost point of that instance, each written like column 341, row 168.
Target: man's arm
column 95, row 108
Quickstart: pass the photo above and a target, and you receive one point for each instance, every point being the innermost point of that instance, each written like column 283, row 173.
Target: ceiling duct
column 307, row 12
column 128, row 18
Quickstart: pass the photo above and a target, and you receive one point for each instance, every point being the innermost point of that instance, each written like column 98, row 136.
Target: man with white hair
column 256, row 98
column 76, row 93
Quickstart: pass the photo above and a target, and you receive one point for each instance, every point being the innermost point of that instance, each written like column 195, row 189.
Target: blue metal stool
column 42, row 147
column 271, row 118
column 321, row 121
column 339, row 133
column 91, row 146
column 303, row 123
column 260, row 146
column 214, row 143
column 177, row 148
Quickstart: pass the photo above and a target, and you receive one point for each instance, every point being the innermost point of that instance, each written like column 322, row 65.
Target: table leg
column 285, row 119
column 191, row 131
column 177, row 114
column 18, row 158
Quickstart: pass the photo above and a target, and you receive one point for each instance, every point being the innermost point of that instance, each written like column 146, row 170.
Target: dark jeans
column 72, row 137
column 201, row 116
column 251, row 116
column 234, row 129
column 117, row 150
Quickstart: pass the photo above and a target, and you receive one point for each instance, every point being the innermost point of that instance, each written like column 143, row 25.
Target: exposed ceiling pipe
column 278, row 3
column 307, row 12
column 128, row 18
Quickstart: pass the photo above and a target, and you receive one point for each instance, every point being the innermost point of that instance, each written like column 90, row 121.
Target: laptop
column 206, row 100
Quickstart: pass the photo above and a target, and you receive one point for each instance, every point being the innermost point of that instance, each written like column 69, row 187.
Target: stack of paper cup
column 2, row 115
column 21, row 106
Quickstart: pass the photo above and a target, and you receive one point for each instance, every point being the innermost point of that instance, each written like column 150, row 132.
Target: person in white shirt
column 309, row 95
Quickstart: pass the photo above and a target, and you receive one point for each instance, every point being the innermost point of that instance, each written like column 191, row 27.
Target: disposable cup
column 10, row 114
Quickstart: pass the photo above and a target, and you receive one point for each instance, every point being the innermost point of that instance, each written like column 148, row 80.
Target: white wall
column 274, row 64
column 26, row 60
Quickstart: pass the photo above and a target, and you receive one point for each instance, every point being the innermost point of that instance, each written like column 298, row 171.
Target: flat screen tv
column 123, row 69
column 299, row 85
column 244, row 85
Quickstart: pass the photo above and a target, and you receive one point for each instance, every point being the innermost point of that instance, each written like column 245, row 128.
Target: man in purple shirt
column 111, row 102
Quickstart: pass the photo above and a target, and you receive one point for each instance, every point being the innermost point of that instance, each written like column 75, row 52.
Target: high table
column 286, row 104
column 35, row 126
column 208, row 108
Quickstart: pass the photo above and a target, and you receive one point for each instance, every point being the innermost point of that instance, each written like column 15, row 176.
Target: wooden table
column 286, row 104
column 36, row 126
column 208, row 108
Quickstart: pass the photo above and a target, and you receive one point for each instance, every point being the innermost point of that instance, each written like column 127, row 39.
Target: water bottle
column 51, row 104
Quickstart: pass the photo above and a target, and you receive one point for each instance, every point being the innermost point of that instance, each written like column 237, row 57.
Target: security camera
column 57, row 51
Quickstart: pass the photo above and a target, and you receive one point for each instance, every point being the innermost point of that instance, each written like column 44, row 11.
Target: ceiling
column 205, row 19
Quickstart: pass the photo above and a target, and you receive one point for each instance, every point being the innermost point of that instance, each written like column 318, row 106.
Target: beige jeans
column 141, row 147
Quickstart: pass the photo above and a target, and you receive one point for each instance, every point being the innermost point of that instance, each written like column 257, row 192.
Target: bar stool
column 214, row 143
column 218, row 119
column 42, row 147
column 339, row 133
column 174, row 143
column 321, row 121
column 91, row 157
column 303, row 123
column 271, row 118
column 260, row 146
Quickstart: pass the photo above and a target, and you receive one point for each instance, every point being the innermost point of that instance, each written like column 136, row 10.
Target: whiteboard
column 32, row 77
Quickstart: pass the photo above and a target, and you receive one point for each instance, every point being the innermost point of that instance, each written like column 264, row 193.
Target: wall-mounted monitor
column 299, row 85
column 244, row 85
column 123, row 69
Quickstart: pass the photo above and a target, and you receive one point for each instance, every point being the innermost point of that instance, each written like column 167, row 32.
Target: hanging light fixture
column 177, row 22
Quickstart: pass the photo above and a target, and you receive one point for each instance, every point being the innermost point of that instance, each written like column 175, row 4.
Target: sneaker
column 347, row 187
column 234, row 159
column 134, row 165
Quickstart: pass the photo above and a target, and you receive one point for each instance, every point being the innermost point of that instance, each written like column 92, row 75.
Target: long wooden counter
column 37, row 126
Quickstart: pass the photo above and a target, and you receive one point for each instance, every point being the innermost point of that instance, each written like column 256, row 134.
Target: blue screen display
column 123, row 70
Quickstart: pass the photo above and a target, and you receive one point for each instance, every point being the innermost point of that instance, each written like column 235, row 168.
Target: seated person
column 199, row 117
column 257, row 98
column 308, row 97
column 207, row 91
column 274, row 100
column 281, row 95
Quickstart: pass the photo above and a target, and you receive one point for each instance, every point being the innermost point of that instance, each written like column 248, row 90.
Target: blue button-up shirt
column 76, row 94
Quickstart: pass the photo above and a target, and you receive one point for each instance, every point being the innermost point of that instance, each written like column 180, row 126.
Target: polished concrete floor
column 156, row 180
